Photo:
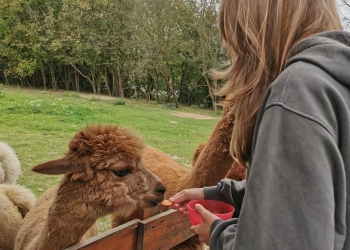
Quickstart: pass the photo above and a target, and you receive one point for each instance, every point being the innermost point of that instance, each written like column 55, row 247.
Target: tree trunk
column 21, row 81
column 114, row 85
column 156, row 87
column 53, row 76
column 104, row 76
column 120, row 84
column 170, row 84
column 76, row 80
column 66, row 77
column 95, row 83
column 7, row 81
column 149, row 88
column 136, row 94
column 91, row 80
column 183, row 71
column 210, row 89
column 26, row 79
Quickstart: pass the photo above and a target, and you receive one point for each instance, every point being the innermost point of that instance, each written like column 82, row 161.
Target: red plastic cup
column 221, row 209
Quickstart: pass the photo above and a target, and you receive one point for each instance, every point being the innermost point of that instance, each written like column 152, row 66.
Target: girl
column 289, row 81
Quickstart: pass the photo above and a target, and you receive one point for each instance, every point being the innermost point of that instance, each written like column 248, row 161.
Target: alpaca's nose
column 160, row 188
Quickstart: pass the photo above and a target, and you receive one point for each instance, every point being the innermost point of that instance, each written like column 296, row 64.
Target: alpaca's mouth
column 147, row 203
column 153, row 203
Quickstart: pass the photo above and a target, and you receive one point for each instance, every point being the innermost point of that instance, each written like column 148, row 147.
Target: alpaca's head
column 105, row 161
column 10, row 167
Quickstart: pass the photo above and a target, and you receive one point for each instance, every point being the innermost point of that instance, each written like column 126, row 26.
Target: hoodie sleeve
column 290, row 195
column 229, row 191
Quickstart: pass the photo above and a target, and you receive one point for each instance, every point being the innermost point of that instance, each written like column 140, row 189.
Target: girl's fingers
column 194, row 229
column 182, row 209
column 178, row 194
column 175, row 206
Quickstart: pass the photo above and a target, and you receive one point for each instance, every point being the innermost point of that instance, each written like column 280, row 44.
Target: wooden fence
column 153, row 231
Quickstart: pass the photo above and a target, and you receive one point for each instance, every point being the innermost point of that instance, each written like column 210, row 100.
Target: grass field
column 39, row 124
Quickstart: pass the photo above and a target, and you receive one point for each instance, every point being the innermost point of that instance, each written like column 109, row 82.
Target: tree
column 158, row 25
column 209, row 47
column 111, row 45
column 344, row 11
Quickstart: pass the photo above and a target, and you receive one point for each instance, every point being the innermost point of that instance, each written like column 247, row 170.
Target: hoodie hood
column 329, row 50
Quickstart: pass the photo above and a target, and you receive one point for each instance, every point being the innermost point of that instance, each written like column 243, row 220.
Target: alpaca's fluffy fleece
column 15, row 202
column 103, row 174
column 10, row 167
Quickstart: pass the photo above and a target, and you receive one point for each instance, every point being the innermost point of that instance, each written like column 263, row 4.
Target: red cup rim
column 226, row 204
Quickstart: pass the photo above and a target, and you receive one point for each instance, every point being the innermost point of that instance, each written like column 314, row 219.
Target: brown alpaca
column 212, row 161
column 236, row 172
column 103, row 174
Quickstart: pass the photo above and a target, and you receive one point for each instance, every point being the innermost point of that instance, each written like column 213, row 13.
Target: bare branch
column 345, row 2
column 81, row 73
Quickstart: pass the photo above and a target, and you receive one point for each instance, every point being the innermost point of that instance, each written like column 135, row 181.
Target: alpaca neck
column 69, row 217
column 215, row 160
column 208, row 171
column 211, row 170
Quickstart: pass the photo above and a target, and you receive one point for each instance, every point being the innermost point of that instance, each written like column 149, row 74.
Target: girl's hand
column 180, row 199
column 203, row 229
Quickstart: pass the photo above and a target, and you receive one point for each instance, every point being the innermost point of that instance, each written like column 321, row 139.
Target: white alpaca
column 15, row 202
column 10, row 167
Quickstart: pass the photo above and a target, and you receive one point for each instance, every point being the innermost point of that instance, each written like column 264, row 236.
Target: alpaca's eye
column 122, row 172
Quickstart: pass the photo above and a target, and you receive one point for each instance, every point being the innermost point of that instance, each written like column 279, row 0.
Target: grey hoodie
column 297, row 194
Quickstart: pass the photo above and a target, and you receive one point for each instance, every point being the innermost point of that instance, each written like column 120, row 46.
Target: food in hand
column 166, row 203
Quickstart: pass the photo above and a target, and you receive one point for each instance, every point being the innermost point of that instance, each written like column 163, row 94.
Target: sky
column 344, row 12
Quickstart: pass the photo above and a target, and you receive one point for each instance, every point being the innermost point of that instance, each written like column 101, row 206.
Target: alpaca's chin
column 151, row 202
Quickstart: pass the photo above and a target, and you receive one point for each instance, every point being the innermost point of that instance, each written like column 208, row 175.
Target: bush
column 219, row 112
column 118, row 102
column 71, row 94
column 95, row 99
column 153, row 102
column 169, row 106
column 194, row 106
column 2, row 92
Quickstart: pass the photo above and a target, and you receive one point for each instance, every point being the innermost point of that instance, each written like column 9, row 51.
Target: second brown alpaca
column 236, row 172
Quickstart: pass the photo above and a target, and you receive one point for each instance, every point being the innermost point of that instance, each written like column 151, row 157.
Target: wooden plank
column 163, row 231
column 123, row 237
column 146, row 212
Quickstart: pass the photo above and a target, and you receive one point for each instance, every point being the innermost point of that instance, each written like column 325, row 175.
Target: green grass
column 39, row 124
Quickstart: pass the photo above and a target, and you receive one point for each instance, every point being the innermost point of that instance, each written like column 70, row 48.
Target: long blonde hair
column 259, row 36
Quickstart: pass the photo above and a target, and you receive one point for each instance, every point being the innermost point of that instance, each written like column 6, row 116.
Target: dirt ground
column 175, row 113
column 102, row 97
column 194, row 116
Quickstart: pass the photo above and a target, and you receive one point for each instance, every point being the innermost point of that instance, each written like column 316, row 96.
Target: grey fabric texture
column 297, row 193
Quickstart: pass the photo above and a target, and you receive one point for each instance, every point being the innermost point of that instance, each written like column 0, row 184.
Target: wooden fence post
column 163, row 231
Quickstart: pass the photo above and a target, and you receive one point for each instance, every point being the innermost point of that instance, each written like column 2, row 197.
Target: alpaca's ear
column 62, row 166
column 23, row 209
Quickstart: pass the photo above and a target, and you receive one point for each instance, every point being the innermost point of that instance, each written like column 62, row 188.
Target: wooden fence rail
column 160, row 231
